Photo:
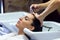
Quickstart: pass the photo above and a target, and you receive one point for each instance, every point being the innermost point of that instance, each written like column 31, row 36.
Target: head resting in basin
column 30, row 22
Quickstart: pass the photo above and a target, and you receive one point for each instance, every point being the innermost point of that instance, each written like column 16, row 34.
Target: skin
column 50, row 7
column 25, row 22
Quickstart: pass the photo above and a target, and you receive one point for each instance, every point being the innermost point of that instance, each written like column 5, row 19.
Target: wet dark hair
column 36, row 23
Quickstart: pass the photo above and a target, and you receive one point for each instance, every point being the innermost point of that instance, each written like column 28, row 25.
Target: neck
column 21, row 32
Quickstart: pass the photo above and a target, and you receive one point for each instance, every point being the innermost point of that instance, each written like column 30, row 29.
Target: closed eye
column 26, row 18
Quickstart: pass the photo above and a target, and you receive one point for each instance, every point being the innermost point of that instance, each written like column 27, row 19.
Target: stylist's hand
column 39, row 17
column 36, row 7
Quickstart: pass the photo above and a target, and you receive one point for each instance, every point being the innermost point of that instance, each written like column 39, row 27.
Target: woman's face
column 25, row 22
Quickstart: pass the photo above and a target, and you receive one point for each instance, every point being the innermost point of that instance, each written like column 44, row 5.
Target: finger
column 32, row 6
column 31, row 10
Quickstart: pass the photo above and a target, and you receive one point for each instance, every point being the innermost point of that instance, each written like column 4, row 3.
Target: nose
column 20, row 19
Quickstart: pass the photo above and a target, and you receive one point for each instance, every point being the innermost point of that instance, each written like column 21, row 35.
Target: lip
column 19, row 21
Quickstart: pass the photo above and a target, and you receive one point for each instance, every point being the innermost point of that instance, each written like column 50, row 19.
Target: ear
column 32, row 28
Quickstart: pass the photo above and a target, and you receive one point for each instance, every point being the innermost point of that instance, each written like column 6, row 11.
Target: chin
column 17, row 25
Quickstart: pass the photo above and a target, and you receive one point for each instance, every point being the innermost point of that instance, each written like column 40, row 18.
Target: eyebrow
column 26, row 16
column 33, row 15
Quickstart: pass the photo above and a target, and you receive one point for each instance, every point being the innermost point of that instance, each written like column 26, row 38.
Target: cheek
column 27, row 24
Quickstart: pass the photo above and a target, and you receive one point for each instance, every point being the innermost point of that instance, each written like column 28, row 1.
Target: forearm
column 45, row 4
column 51, row 7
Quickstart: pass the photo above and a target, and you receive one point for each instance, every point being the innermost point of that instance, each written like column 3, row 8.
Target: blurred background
column 19, row 5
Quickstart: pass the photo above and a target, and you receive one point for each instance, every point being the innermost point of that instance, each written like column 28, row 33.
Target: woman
column 29, row 21
column 50, row 7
